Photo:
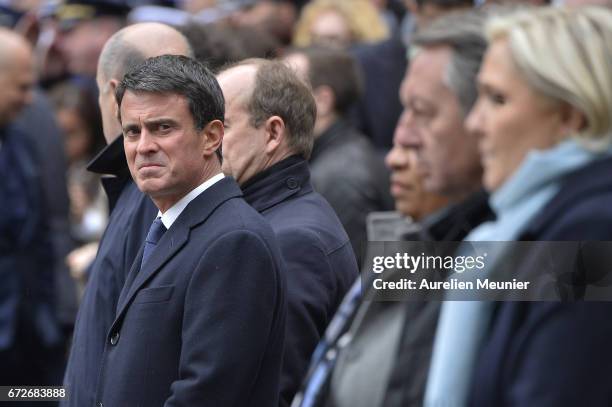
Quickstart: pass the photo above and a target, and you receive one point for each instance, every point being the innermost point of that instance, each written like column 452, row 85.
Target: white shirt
column 173, row 213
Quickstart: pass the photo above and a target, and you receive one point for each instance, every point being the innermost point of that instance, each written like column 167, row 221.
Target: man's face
column 164, row 151
column 244, row 146
column 406, row 182
column 16, row 82
column 447, row 157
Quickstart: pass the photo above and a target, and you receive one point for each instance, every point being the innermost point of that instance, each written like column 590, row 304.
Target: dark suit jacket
column 27, row 292
column 131, row 215
column 202, row 323
column 37, row 122
column 317, row 253
column 555, row 354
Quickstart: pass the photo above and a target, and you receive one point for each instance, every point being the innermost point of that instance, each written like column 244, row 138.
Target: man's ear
column 112, row 84
column 275, row 133
column 112, row 87
column 213, row 134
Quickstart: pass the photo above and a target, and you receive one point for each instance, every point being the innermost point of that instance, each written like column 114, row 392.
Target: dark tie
column 156, row 231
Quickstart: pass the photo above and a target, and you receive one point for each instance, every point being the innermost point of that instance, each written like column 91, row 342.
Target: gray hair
column 464, row 33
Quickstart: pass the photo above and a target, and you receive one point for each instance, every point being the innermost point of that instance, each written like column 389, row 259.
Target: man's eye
column 131, row 133
column 164, row 128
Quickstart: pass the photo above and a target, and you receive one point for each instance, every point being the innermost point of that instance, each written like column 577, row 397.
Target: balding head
column 124, row 51
column 16, row 75
column 269, row 114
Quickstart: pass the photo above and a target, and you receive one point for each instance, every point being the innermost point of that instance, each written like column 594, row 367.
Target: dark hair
column 218, row 45
column 277, row 91
column 336, row 69
column 71, row 95
column 180, row 75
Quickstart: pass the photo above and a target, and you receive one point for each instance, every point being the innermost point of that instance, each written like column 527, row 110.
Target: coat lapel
column 174, row 239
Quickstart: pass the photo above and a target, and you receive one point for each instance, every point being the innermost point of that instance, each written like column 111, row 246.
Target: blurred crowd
column 436, row 120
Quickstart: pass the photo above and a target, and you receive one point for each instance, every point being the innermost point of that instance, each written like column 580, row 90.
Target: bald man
column 131, row 211
column 30, row 337
column 16, row 75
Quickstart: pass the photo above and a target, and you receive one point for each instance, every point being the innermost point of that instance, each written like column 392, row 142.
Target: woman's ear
column 213, row 134
column 572, row 120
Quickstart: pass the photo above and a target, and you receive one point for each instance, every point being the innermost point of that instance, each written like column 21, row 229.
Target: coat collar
column 590, row 180
column 111, row 160
column 456, row 221
column 175, row 238
column 278, row 183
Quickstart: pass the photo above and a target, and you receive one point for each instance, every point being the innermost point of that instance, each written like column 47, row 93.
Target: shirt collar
column 173, row 213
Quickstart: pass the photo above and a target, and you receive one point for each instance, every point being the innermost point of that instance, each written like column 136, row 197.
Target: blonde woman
column 339, row 23
column 543, row 120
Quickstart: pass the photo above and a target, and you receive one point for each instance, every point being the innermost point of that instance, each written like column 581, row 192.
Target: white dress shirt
column 173, row 213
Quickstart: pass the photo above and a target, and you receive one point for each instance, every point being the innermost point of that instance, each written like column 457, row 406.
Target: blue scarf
column 462, row 324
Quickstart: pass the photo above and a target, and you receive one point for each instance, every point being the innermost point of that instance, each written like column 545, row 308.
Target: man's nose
column 406, row 132
column 146, row 143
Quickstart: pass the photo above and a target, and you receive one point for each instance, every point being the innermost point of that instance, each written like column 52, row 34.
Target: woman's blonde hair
column 364, row 21
column 566, row 55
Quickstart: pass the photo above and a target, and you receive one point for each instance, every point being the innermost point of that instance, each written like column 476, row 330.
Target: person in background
column 344, row 166
column 31, row 341
column 544, row 130
column 270, row 115
column 131, row 212
column 339, row 24
column 384, row 64
column 37, row 123
column 84, row 27
column 217, row 45
column 275, row 17
column 79, row 118
column 409, row 194
column 396, row 338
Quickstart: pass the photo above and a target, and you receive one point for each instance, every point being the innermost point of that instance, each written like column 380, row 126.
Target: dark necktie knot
column 156, row 231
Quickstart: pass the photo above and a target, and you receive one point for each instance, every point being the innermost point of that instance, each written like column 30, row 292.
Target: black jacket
column 320, row 264
column 27, row 290
column 351, row 176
